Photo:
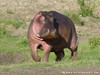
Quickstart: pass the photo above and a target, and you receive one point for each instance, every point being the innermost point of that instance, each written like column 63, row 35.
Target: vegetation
column 94, row 42
column 3, row 32
column 14, row 22
column 23, row 42
column 15, row 52
column 85, row 10
column 17, row 44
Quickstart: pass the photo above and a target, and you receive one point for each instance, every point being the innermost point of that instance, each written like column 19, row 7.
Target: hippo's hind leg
column 73, row 48
column 73, row 53
column 59, row 55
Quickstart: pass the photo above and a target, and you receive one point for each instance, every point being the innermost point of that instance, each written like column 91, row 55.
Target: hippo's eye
column 50, row 18
column 51, row 14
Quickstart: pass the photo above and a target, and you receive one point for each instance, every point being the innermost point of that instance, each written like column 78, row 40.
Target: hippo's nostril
column 53, row 31
column 47, row 32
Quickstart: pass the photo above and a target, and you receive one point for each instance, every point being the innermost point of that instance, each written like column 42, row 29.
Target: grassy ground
column 15, row 54
column 14, row 50
column 15, row 58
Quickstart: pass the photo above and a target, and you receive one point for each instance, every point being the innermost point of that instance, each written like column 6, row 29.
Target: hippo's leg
column 60, row 55
column 73, row 53
column 74, row 47
column 34, row 52
column 46, row 52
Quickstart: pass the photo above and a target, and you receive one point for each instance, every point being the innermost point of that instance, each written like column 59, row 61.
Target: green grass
column 14, row 22
column 94, row 42
column 3, row 32
column 88, row 51
column 13, row 43
column 85, row 10
column 9, row 45
column 86, row 55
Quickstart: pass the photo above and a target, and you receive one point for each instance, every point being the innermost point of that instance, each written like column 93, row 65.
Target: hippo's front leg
column 46, row 52
column 34, row 52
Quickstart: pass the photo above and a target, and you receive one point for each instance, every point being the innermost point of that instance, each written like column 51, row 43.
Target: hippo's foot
column 59, row 55
column 38, row 59
column 74, row 56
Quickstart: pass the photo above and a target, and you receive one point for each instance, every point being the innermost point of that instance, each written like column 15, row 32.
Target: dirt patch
column 55, row 71
column 11, row 58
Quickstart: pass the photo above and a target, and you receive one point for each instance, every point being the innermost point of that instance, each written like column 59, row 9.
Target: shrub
column 94, row 42
column 9, row 11
column 85, row 10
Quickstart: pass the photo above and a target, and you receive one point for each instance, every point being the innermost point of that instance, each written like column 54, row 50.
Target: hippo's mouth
column 48, row 34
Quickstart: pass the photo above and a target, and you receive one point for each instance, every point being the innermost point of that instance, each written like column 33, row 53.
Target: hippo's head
column 46, row 21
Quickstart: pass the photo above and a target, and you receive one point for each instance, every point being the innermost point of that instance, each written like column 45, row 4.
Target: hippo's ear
column 42, row 18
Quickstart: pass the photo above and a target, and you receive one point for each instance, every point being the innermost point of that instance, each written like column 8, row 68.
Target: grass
column 3, row 32
column 10, row 44
column 85, row 10
column 94, row 42
column 14, row 22
column 87, row 56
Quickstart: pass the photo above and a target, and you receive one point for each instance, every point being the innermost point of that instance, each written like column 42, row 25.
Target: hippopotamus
column 52, row 32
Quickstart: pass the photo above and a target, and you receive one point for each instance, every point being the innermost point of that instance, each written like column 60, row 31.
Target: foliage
column 19, row 44
column 94, row 42
column 23, row 42
column 85, row 10
column 3, row 32
column 9, row 11
column 81, row 2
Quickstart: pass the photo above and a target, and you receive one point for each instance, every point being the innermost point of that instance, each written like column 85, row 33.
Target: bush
column 85, row 10
column 94, row 42
column 9, row 11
